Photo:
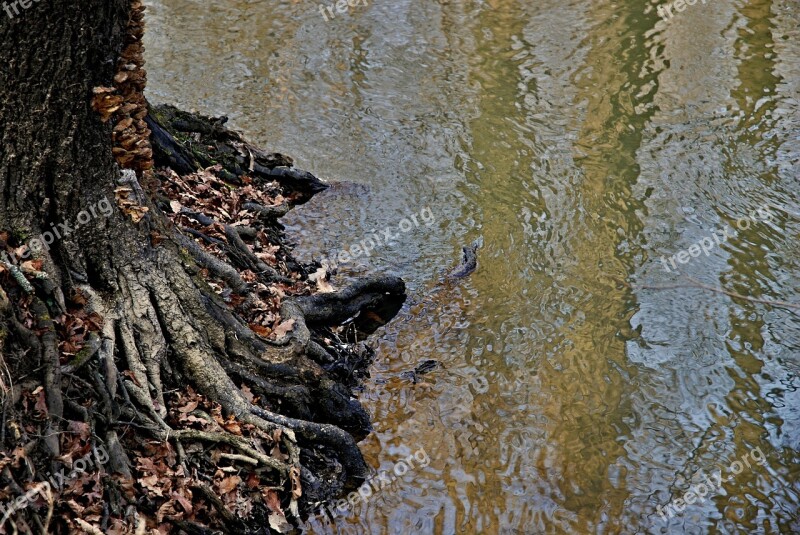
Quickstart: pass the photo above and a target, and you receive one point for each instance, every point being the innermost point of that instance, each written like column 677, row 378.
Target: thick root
column 199, row 349
column 179, row 323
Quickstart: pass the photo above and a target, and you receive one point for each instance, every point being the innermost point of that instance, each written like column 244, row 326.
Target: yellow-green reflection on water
column 583, row 140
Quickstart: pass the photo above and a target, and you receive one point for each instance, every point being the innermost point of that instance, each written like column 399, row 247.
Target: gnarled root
column 167, row 307
column 165, row 324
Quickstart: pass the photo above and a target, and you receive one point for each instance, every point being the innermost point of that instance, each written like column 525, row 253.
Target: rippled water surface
column 584, row 380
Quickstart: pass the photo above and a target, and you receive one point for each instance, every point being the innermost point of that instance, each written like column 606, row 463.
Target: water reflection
column 582, row 140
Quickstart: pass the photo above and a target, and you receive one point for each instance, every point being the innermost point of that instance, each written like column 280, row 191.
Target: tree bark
column 56, row 157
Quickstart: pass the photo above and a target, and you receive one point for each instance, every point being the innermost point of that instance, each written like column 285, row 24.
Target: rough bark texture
column 143, row 283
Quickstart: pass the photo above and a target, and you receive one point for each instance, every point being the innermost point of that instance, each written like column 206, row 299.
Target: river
column 632, row 171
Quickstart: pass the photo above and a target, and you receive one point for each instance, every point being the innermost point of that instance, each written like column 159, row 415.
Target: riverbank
column 229, row 203
column 288, row 343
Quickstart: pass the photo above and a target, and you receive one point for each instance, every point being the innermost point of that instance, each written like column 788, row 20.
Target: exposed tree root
column 170, row 317
column 377, row 295
column 232, row 440
column 222, row 270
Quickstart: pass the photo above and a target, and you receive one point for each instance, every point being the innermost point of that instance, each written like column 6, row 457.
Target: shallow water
column 583, row 380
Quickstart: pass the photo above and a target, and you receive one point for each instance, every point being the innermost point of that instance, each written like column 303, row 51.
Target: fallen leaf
column 32, row 265
column 260, row 330
column 151, row 484
column 319, row 276
column 232, row 427
column 18, row 455
column 130, row 375
column 253, row 480
column 181, row 499
column 41, row 401
column 277, row 519
column 94, row 321
column 155, row 238
column 283, row 329
column 189, row 407
column 271, row 500
column 137, row 213
column 278, row 523
column 229, row 483
column 147, row 464
column 79, row 428
column 248, row 394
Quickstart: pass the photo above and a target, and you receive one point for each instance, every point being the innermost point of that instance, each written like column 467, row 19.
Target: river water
column 585, row 378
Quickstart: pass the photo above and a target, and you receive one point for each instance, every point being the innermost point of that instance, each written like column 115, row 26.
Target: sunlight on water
column 613, row 160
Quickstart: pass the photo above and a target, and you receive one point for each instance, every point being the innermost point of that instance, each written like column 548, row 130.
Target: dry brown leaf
column 130, row 375
column 233, row 427
column 229, row 483
column 41, row 400
column 189, row 407
column 283, row 329
column 155, row 238
column 147, row 464
column 136, row 212
column 189, row 418
column 248, row 394
column 277, row 519
column 167, row 509
column 318, row 277
column 94, row 321
column 18, row 455
column 260, row 330
column 79, row 428
column 32, row 265
column 151, row 484
column 185, row 503
column 271, row 500
column 253, row 480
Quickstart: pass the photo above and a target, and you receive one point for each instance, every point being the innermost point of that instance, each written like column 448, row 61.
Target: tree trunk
column 104, row 261
column 56, row 157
